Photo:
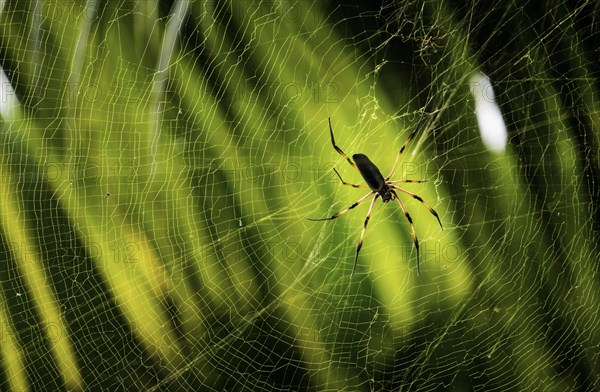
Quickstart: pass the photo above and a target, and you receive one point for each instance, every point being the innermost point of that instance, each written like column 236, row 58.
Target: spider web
column 159, row 160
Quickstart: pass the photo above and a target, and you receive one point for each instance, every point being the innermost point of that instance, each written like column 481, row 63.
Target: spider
column 380, row 187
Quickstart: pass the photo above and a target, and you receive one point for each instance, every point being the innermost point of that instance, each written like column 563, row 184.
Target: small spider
column 430, row 44
column 380, row 187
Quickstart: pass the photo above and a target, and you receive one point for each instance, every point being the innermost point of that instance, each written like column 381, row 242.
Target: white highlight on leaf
column 8, row 98
column 489, row 118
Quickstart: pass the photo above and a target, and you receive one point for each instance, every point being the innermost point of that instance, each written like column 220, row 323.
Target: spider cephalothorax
column 380, row 187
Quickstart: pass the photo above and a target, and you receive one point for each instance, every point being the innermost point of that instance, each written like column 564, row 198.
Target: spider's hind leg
column 339, row 150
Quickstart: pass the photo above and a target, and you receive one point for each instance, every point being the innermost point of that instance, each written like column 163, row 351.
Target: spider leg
column 405, row 181
column 339, row 150
column 347, row 183
column 342, row 212
column 422, row 201
column 362, row 234
column 412, row 228
column 410, row 137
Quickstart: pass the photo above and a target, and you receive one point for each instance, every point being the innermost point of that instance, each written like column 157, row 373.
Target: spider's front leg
column 412, row 228
column 362, row 234
column 422, row 201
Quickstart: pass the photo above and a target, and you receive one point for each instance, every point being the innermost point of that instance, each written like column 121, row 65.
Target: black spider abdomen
column 370, row 173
